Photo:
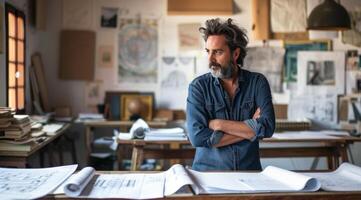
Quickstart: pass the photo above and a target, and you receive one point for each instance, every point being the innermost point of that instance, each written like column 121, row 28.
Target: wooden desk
column 90, row 125
column 20, row 158
column 321, row 195
column 332, row 149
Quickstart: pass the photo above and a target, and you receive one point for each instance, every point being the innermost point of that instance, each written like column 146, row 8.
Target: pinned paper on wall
column 77, row 14
column 283, row 12
column 321, row 71
column 269, row 62
column 94, row 95
column 319, row 107
column 176, row 74
column 353, row 36
column 109, row 17
column 189, row 37
column 138, row 51
column 106, row 56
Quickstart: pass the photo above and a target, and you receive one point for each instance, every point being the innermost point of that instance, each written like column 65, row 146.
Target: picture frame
column 109, row 17
column 321, row 71
column 113, row 104
column 292, row 47
column 142, row 104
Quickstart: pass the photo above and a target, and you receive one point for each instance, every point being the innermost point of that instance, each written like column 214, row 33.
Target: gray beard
column 223, row 73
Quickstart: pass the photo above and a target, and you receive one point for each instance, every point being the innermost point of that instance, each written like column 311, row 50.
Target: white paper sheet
column 272, row 179
column 32, row 183
column 346, row 178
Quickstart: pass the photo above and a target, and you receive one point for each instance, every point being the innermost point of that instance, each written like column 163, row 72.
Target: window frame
column 18, row 14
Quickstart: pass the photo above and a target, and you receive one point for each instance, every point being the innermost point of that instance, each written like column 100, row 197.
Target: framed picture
column 134, row 106
column 113, row 104
column 109, row 17
column 106, row 56
column 292, row 47
column 321, row 71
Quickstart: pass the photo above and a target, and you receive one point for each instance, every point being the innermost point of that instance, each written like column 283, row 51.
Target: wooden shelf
column 200, row 7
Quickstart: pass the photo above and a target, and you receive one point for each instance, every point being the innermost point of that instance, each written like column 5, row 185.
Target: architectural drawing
column 77, row 14
column 138, row 50
column 269, row 62
column 176, row 74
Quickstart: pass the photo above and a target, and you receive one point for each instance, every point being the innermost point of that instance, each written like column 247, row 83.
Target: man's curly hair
column 235, row 36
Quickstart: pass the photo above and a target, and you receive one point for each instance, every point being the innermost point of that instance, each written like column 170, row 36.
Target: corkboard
column 77, row 53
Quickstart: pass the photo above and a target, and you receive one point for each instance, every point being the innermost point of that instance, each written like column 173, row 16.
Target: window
column 15, row 58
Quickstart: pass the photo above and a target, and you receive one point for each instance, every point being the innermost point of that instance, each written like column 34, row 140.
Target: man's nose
column 211, row 57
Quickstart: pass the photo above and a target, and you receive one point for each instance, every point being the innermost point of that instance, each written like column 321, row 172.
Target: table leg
column 343, row 153
column 137, row 157
column 88, row 140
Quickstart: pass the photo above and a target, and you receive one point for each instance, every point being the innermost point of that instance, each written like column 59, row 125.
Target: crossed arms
column 234, row 131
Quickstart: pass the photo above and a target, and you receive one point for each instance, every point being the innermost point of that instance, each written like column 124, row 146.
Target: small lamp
column 329, row 15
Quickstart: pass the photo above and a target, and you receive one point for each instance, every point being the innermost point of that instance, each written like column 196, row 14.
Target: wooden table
column 20, row 158
column 333, row 149
column 90, row 125
column 321, row 195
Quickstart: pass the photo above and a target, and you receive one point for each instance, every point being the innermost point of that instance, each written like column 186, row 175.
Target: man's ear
column 235, row 55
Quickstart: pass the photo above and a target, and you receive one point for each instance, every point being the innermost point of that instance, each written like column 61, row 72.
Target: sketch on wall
column 94, row 95
column 106, row 56
column 353, row 36
column 284, row 11
column 321, row 71
column 109, row 17
column 319, row 107
column 269, row 62
column 77, row 14
column 176, row 74
column 138, row 50
column 292, row 47
column 189, row 37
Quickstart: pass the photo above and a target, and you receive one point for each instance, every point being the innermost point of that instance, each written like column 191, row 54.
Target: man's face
column 221, row 60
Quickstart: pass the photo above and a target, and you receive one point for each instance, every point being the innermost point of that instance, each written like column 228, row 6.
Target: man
column 228, row 109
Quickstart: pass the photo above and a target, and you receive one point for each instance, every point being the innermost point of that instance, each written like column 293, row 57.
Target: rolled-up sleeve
column 197, row 120
column 266, row 122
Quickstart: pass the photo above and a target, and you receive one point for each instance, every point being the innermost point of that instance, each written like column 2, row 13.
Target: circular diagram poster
column 137, row 51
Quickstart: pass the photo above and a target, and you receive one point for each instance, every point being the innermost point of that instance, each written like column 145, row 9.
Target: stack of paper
column 165, row 134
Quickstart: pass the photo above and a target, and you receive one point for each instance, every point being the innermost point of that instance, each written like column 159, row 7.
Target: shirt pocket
column 216, row 111
column 248, row 110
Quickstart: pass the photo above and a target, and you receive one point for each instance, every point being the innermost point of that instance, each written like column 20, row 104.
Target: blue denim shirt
column 208, row 100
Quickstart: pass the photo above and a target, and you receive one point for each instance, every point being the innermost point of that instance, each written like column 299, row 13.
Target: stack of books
column 13, row 126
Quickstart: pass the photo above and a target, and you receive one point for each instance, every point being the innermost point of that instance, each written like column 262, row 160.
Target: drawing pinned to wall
column 320, row 70
column 77, row 14
column 109, row 17
column 352, row 60
column 138, row 50
column 189, row 37
column 284, row 11
column 106, row 56
column 353, row 36
column 353, row 82
column 292, row 47
column 94, row 95
column 269, row 62
column 176, row 74
column 319, row 107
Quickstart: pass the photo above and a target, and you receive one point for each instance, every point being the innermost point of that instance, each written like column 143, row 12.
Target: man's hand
column 257, row 114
